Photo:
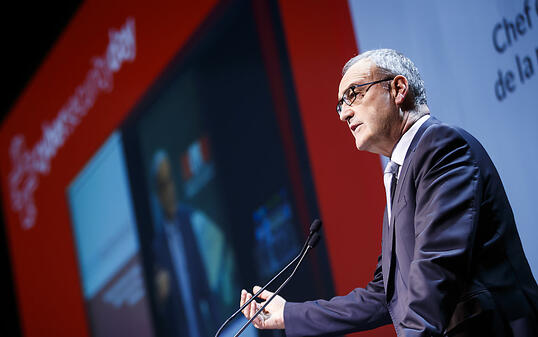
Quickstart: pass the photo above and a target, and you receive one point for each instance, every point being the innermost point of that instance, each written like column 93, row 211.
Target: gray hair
column 393, row 63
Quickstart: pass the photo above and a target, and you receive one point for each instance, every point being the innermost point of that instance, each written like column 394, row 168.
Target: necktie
column 390, row 178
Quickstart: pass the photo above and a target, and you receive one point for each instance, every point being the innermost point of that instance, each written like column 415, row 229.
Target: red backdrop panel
column 349, row 183
column 43, row 257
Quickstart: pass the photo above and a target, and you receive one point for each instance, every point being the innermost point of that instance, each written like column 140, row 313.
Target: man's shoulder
column 440, row 142
column 436, row 133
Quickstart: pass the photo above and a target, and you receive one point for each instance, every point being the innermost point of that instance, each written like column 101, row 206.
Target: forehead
column 362, row 71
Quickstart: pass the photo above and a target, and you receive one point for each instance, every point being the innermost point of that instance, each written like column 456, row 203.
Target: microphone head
column 315, row 226
column 314, row 240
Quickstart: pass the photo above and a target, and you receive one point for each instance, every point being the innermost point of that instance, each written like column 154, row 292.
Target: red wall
column 319, row 39
column 349, row 184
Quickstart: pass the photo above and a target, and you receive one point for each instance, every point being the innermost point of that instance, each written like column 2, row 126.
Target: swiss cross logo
column 196, row 166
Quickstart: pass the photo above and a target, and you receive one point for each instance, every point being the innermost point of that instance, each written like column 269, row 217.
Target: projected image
column 205, row 170
column 276, row 241
column 191, row 259
column 221, row 213
column 106, row 237
column 188, row 257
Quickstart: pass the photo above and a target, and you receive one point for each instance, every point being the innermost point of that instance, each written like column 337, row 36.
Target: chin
column 360, row 144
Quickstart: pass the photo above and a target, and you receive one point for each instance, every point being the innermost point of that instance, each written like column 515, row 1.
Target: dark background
column 29, row 30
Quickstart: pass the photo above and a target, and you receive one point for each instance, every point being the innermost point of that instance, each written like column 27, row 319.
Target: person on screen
column 451, row 261
column 185, row 303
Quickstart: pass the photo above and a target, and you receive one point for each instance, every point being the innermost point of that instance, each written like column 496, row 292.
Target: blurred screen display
column 276, row 241
column 199, row 170
column 106, row 237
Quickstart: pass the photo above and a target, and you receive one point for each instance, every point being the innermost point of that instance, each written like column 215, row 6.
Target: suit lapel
column 398, row 203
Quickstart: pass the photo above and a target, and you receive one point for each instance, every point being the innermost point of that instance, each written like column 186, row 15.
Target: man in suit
column 451, row 260
column 185, row 303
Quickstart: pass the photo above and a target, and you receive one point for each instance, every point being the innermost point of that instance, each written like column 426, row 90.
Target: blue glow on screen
column 103, row 219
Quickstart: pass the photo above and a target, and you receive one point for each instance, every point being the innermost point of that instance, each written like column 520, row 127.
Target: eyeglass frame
column 353, row 87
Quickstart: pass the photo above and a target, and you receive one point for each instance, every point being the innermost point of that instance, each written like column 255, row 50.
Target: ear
column 400, row 89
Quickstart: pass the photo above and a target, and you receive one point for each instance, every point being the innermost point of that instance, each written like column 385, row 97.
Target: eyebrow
column 346, row 89
column 364, row 77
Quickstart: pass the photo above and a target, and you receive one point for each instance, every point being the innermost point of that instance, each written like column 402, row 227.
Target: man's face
column 165, row 189
column 373, row 118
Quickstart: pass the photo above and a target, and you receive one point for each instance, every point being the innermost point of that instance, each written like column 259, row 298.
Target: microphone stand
column 310, row 244
column 314, row 228
column 260, row 291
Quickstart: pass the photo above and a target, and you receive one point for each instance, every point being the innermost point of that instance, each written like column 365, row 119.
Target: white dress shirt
column 399, row 153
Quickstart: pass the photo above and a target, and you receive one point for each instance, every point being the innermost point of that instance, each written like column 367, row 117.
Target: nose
column 346, row 113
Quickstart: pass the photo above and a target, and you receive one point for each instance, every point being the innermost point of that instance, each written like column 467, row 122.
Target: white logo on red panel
column 28, row 164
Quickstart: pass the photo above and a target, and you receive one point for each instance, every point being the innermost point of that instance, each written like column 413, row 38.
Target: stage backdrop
column 240, row 96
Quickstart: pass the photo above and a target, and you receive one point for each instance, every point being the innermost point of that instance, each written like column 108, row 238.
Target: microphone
column 314, row 228
column 311, row 243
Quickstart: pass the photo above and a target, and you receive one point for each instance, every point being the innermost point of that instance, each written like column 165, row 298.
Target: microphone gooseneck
column 314, row 228
column 311, row 243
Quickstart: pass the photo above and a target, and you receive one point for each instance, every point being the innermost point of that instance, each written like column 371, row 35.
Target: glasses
column 350, row 95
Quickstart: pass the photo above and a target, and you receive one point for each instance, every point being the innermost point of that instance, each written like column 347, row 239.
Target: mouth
column 354, row 126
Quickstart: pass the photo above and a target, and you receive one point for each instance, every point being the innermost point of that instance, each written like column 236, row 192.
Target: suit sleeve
column 446, row 217
column 361, row 309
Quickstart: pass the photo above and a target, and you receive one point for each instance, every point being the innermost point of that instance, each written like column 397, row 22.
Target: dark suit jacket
column 171, row 311
column 451, row 262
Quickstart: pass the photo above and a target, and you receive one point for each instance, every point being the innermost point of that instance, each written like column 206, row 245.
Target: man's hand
column 272, row 317
column 162, row 282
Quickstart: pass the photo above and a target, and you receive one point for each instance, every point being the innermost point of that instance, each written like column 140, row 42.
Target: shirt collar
column 400, row 150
